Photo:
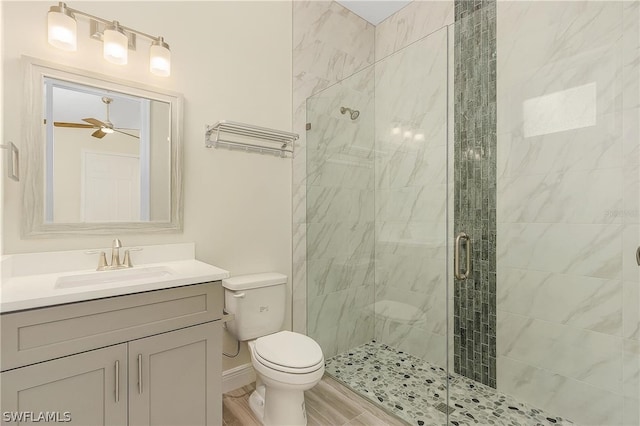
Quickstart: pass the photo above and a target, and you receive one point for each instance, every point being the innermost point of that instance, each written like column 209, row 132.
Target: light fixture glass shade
column 62, row 28
column 160, row 58
column 116, row 45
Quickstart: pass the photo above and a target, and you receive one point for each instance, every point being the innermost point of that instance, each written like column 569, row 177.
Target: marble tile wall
column 567, row 208
column 411, row 195
column 329, row 44
column 413, row 22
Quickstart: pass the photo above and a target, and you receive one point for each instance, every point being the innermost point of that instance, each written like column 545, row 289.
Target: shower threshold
column 415, row 390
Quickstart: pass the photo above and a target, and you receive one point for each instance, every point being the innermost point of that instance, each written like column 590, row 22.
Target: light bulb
column 62, row 28
column 116, row 44
column 160, row 58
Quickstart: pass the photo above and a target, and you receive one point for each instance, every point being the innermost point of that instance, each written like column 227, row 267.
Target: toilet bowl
column 286, row 363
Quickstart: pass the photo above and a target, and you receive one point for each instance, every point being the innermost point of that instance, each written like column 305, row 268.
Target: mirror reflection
column 108, row 155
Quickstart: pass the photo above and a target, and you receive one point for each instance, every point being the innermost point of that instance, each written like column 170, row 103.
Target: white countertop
column 20, row 290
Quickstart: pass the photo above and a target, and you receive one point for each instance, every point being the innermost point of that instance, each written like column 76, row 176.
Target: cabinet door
column 90, row 387
column 175, row 378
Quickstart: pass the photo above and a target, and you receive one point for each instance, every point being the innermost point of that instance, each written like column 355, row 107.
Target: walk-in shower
column 516, row 129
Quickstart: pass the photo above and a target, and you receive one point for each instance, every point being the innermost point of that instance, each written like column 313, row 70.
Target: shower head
column 353, row 113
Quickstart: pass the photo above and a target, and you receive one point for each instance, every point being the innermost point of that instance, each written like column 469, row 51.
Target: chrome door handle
column 456, row 256
column 139, row 373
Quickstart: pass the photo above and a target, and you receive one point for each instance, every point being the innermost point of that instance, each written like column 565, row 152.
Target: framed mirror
column 103, row 155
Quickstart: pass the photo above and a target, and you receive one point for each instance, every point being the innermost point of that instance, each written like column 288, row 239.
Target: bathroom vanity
column 148, row 354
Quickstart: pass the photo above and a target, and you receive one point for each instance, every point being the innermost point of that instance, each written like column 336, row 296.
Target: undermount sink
column 118, row 276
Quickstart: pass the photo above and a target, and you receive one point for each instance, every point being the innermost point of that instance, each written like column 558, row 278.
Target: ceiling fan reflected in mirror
column 103, row 127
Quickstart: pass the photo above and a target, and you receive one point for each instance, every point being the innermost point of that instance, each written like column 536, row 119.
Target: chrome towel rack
column 232, row 134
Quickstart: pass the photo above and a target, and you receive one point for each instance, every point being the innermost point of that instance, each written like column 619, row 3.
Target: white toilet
column 286, row 363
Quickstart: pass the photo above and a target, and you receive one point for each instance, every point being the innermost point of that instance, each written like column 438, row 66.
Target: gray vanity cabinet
column 82, row 385
column 150, row 358
column 175, row 378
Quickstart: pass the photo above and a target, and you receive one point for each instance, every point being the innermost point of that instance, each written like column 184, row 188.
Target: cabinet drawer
column 42, row 334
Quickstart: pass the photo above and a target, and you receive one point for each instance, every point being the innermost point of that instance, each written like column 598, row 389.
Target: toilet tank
column 258, row 303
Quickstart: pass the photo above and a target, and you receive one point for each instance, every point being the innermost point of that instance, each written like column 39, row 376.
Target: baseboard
column 238, row 377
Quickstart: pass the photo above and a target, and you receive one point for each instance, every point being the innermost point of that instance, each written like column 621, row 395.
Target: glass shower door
column 377, row 255
column 340, row 214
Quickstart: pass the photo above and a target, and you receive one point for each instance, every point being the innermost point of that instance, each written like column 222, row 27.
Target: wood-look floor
column 329, row 403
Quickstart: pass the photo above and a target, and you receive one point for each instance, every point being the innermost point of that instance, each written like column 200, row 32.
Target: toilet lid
column 288, row 349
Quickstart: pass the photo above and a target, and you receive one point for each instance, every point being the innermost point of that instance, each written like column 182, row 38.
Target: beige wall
column 230, row 63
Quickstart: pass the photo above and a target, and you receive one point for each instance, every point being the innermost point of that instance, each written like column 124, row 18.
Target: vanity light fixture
column 62, row 27
column 117, row 39
column 115, row 44
column 160, row 58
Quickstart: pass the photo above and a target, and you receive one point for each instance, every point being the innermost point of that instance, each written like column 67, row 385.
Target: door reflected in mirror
column 102, row 155
column 108, row 156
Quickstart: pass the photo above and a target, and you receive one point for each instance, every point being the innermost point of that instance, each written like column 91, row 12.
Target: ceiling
column 72, row 105
column 374, row 11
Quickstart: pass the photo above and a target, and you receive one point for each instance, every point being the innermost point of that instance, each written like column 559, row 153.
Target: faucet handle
column 102, row 261
column 116, row 243
column 127, row 256
column 127, row 260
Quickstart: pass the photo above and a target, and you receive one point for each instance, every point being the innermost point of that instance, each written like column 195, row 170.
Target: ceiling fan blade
column 75, row 125
column 95, row 122
column 98, row 134
column 125, row 133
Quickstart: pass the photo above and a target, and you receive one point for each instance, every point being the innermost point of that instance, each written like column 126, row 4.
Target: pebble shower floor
column 411, row 389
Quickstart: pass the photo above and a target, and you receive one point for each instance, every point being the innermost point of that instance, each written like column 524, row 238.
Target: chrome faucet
column 115, row 258
column 115, row 252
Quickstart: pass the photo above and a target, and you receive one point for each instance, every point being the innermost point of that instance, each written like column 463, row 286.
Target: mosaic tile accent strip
column 412, row 389
column 475, row 187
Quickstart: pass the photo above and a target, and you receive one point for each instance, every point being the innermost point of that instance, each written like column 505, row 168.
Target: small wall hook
column 13, row 161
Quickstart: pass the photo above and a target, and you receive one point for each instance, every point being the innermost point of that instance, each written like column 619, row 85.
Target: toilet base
column 256, row 402
column 285, row 407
